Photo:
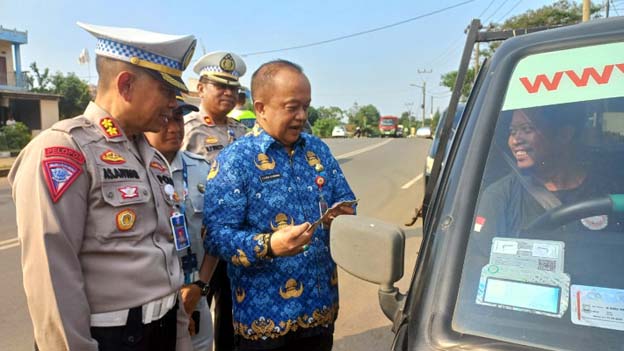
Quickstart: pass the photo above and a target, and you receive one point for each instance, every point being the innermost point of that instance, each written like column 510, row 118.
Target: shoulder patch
column 110, row 127
column 208, row 121
column 59, row 174
column 66, row 152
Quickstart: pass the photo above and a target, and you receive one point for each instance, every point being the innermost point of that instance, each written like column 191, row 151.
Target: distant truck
column 388, row 126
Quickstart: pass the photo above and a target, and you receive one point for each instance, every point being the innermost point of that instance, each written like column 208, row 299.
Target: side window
column 543, row 263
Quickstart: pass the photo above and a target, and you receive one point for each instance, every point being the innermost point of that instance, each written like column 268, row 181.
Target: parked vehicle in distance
column 339, row 132
column 400, row 131
column 523, row 228
column 423, row 132
column 388, row 126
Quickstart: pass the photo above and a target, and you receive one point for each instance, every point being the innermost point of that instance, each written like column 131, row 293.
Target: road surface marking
column 7, row 244
column 411, row 182
column 363, row 150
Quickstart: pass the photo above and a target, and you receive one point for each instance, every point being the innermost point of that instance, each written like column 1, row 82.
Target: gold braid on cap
column 155, row 66
column 222, row 77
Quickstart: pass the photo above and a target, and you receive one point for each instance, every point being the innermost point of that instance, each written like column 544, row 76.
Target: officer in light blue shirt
column 262, row 194
column 186, row 190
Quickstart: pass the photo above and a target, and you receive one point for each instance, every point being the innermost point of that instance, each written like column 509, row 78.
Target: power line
column 508, row 12
column 615, row 8
column 360, row 33
column 487, row 8
column 495, row 11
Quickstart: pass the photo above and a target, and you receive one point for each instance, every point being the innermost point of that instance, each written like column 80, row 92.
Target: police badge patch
column 59, row 175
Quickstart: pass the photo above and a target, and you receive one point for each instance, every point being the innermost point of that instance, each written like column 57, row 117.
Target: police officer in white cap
column 210, row 130
column 94, row 211
column 207, row 132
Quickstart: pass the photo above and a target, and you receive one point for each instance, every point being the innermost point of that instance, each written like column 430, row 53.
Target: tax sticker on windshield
column 597, row 307
column 542, row 255
column 525, row 275
column 525, row 290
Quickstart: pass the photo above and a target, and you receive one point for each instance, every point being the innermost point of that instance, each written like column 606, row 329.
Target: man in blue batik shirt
column 262, row 193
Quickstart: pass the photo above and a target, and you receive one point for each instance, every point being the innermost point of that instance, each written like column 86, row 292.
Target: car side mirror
column 371, row 250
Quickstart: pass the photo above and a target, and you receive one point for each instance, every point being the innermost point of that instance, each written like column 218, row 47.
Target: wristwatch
column 204, row 287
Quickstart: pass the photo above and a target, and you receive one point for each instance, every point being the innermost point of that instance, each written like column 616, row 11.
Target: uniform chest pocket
column 126, row 213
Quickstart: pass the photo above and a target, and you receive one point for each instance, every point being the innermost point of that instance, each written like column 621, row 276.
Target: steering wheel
column 563, row 214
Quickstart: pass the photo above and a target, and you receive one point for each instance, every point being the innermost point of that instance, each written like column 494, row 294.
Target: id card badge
column 180, row 234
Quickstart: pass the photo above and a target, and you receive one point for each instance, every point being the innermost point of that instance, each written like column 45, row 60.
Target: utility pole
column 424, row 89
column 424, row 93
column 607, row 2
column 586, row 6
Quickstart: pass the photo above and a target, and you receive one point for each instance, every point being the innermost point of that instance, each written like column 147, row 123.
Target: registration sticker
column 542, row 255
column 597, row 307
column 525, row 275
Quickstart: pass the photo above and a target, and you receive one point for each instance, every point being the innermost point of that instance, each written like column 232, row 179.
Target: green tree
column 331, row 112
column 366, row 117
column 448, row 80
column 38, row 81
column 324, row 126
column 313, row 115
column 74, row 94
column 16, row 136
column 561, row 12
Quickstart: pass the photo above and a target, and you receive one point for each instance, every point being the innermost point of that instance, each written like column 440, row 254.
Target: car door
column 521, row 287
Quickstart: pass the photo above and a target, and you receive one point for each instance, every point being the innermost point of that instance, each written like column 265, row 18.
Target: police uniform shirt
column 255, row 188
column 203, row 137
column 93, row 221
column 197, row 170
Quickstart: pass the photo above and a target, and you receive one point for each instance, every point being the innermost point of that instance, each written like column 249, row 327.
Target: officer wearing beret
column 207, row 132
column 189, row 173
column 99, row 264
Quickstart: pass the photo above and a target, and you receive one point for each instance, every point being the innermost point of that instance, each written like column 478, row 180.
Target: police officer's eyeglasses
column 221, row 87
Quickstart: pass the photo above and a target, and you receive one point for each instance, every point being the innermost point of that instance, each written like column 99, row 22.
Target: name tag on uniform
column 180, row 233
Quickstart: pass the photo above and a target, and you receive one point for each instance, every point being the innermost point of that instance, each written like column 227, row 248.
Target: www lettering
column 552, row 83
column 120, row 173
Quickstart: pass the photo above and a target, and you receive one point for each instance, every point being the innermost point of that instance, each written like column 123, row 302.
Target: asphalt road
column 385, row 174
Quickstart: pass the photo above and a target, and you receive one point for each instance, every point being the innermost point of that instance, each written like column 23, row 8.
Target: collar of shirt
column 176, row 164
column 265, row 141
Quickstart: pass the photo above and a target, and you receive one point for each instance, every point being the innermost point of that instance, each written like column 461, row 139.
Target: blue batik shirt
column 254, row 188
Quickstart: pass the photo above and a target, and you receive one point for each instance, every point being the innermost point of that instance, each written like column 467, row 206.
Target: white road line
column 8, row 241
column 363, row 150
column 412, row 182
column 7, row 244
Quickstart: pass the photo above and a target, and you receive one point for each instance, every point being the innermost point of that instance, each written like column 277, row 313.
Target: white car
column 423, row 132
column 339, row 132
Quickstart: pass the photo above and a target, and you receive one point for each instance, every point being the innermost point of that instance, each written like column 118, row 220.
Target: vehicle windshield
column 544, row 258
column 438, row 130
column 387, row 122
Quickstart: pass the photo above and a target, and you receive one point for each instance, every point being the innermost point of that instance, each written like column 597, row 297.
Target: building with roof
column 38, row 111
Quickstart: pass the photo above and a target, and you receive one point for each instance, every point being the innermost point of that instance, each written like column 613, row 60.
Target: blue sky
column 375, row 68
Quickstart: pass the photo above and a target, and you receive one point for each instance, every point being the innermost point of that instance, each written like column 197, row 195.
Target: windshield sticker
column 525, row 275
column 597, row 307
column 564, row 76
column 542, row 255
